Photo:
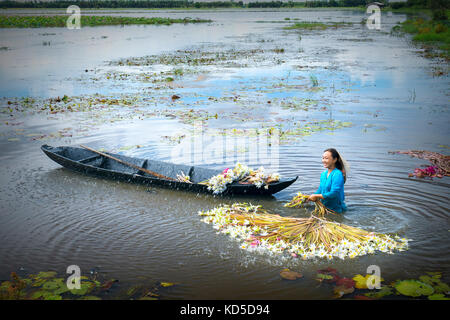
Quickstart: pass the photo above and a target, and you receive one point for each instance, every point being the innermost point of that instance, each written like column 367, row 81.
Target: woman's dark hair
column 339, row 162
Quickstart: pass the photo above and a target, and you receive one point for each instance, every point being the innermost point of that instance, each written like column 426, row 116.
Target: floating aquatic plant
column 427, row 286
column 440, row 163
column 307, row 25
column 305, row 237
column 48, row 286
column 91, row 21
column 413, row 288
column 290, row 275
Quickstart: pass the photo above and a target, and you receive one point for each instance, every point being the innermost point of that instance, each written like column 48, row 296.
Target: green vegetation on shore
column 90, row 21
column 178, row 4
column 434, row 34
column 317, row 25
column 436, row 9
column 435, row 6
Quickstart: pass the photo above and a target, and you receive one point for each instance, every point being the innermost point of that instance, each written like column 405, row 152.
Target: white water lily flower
column 342, row 256
column 321, row 253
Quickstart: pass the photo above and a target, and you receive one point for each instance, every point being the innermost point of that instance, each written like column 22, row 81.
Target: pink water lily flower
column 255, row 243
column 429, row 171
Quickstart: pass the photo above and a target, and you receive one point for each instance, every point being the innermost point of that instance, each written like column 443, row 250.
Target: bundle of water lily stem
column 311, row 237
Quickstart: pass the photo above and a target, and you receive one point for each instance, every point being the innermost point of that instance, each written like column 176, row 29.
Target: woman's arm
column 315, row 197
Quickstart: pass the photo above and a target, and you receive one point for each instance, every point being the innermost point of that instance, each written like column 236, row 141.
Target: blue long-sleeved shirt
column 332, row 190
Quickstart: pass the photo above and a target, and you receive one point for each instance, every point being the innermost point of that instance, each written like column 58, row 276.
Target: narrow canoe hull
column 88, row 162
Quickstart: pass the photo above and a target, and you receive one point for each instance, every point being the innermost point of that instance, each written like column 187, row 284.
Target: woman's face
column 328, row 161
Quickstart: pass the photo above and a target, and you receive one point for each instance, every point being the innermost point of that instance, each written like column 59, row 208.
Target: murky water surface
column 368, row 91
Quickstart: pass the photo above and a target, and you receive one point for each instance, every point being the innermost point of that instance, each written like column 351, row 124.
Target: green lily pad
column 38, row 282
column 384, row 291
column 441, row 287
column 46, row 275
column 435, row 282
column 426, row 279
column 85, row 287
column 147, row 298
column 133, row 290
column 322, row 276
column 51, row 285
column 46, row 295
column 90, row 298
column 413, row 288
column 438, row 296
column 435, row 279
column 53, row 297
column 56, row 286
column 5, row 285
column 38, row 294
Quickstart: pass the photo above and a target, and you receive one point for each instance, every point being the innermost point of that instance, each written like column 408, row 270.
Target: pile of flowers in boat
column 306, row 238
column 242, row 173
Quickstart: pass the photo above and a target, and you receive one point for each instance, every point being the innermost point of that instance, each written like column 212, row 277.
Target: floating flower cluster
column 242, row 173
column 430, row 171
column 260, row 230
column 440, row 163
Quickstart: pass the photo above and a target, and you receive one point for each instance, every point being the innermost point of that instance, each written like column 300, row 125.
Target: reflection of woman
column 331, row 189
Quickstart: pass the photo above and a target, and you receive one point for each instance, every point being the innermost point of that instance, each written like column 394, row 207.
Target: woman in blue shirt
column 331, row 189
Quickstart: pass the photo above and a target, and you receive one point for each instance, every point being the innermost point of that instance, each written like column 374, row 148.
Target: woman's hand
column 315, row 197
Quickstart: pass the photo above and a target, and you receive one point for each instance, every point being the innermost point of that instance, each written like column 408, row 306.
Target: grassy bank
column 89, row 21
column 435, row 35
column 317, row 25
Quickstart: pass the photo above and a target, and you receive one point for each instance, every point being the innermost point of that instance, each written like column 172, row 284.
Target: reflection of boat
column 89, row 162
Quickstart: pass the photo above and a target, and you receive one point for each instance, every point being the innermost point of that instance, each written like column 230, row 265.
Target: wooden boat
column 92, row 163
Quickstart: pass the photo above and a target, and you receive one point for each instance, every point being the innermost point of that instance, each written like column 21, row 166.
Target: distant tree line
column 438, row 7
column 119, row 4
column 178, row 4
column 96, row 4
column 339, row 3
column 309, row 4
